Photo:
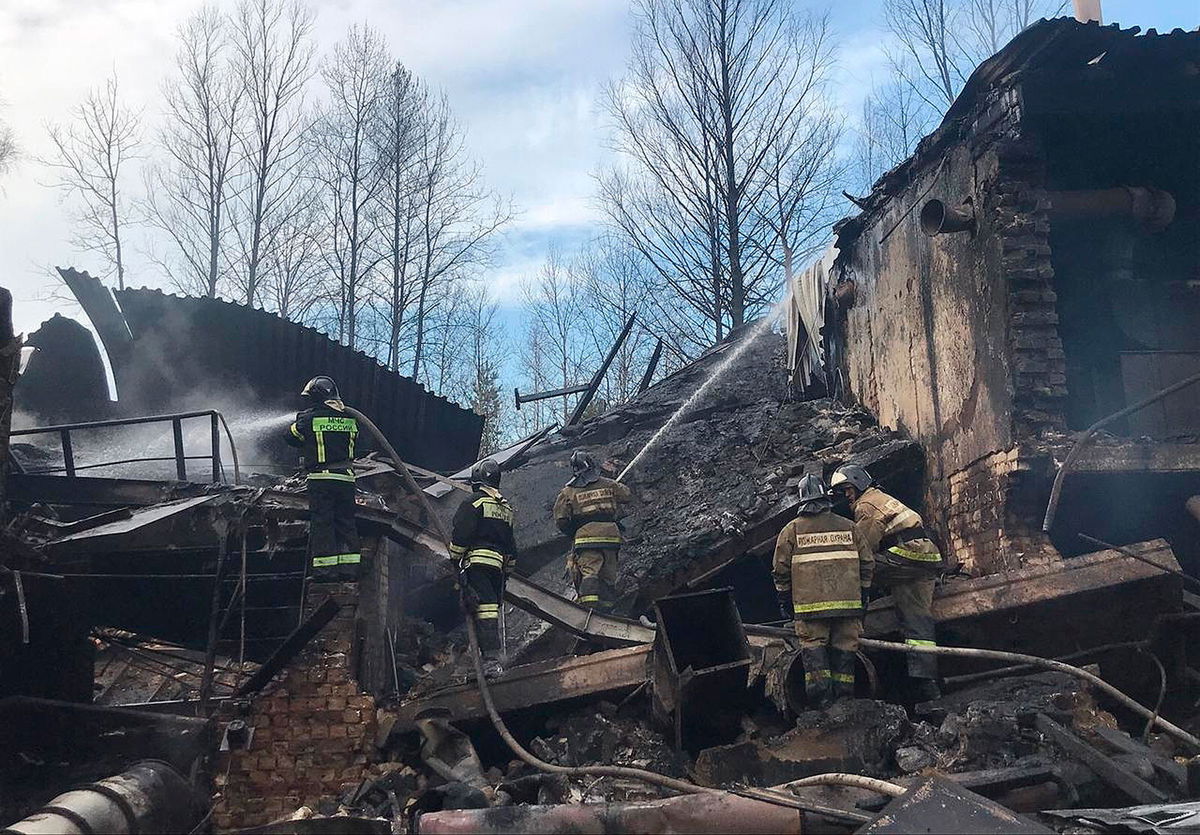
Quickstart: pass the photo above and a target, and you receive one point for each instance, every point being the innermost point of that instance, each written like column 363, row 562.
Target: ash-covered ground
column 718, row 481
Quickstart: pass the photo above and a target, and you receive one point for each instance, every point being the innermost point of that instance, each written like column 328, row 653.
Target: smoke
column 124, row 451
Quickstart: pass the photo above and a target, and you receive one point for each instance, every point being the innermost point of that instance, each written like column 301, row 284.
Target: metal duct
column 1152, row 208
column 938, row 219
column 149, row 796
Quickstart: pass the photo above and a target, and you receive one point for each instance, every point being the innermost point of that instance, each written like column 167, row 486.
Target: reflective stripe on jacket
column 326, row 437
column 895, row 531
column 822, row 560
column 482, row 532
column 589, row 514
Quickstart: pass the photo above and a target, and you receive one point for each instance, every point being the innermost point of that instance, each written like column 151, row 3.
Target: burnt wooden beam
column 1104, row 767
column 291, row 647
column 532, row 685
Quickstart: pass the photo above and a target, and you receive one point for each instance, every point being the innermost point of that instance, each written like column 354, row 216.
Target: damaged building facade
column 1029, row 271
column 1024, row 275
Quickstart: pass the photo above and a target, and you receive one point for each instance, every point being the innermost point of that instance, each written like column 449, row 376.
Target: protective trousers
column 594, row 574
column 828, row 647
column 912, row 595
column 333, row 544
column 485, row 590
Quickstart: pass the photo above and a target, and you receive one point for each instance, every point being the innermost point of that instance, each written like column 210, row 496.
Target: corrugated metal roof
column 186, row 348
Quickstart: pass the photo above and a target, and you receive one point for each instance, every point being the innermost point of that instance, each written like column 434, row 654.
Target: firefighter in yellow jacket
column 822, row 570
column 587, row 510
column 907, row 564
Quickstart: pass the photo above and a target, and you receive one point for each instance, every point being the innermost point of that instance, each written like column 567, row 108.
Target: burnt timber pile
column 165, row 665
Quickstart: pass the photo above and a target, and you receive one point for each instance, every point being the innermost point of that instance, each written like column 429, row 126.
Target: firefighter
column 481, row 539
column 326, row 436
column 907, row 563
column 822, row 572
column 587, row 510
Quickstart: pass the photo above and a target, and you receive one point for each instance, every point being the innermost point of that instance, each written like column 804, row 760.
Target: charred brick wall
column 1039, row 373
column 954, row 339
column 990, row 524
column 314, row 728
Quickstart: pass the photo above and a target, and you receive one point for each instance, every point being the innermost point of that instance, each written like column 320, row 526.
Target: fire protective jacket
column 482, row 532
column 590, row 513
column 895, row 532
column 326, row 435
column 823, row 561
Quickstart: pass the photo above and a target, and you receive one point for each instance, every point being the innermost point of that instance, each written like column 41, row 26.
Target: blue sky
column 523, row 75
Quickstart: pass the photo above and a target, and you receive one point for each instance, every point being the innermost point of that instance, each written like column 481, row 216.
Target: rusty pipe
column 1151, row 208
column 937, row 218
column 716, row 812
column 149, row 796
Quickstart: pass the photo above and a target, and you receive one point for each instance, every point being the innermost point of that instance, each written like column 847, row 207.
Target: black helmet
column 486, row 472
column 813, row 496
column 320, row 389
column 584, row 468
column 581, row 461
column 853, row 475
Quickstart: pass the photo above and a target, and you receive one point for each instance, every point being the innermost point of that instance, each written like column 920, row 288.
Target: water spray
column 760, row 327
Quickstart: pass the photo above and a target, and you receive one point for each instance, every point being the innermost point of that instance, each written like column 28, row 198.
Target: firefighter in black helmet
column 481, row 539
column 326, row 436
column 907, row 564
column 822, row 570
column 588, row 509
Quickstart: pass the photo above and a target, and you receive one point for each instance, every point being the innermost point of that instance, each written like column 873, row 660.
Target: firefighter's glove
column 786, row 610
column 866, row 597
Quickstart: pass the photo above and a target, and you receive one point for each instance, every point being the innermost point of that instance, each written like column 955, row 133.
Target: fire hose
column 402, row 469
column 775, row 795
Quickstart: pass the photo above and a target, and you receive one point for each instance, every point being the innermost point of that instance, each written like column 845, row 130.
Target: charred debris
column 1002, row 337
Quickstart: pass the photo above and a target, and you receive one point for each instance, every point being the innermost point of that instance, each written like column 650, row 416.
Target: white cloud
column 522, row 75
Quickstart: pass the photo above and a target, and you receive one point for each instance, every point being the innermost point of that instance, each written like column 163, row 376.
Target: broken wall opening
column 1127, row 294
column 1124, row 507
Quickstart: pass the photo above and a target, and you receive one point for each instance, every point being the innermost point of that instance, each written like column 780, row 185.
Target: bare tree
column 936, row 45
column 294, row 266
column 91, row 156
column 456, row 216
column 715, row 89
column 188, row 197
column 399, row 126
column 8, row 148
column 484, row 349
column 615, row 287
column 930, row 57
column 939, row 43
column 348, row 166
column 274, row 62
column 555, row 308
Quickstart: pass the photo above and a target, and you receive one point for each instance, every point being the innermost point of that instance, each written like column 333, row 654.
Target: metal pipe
column 68, row 453
column 180, row 461
column 1152, row 208
column 651, row 367
column 1086, row 435
column 546, row 395
column 939, row 219
column 1088, row 10
column 432, row 519
column 149, row 796
column 100, row 424
column 586, row 400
